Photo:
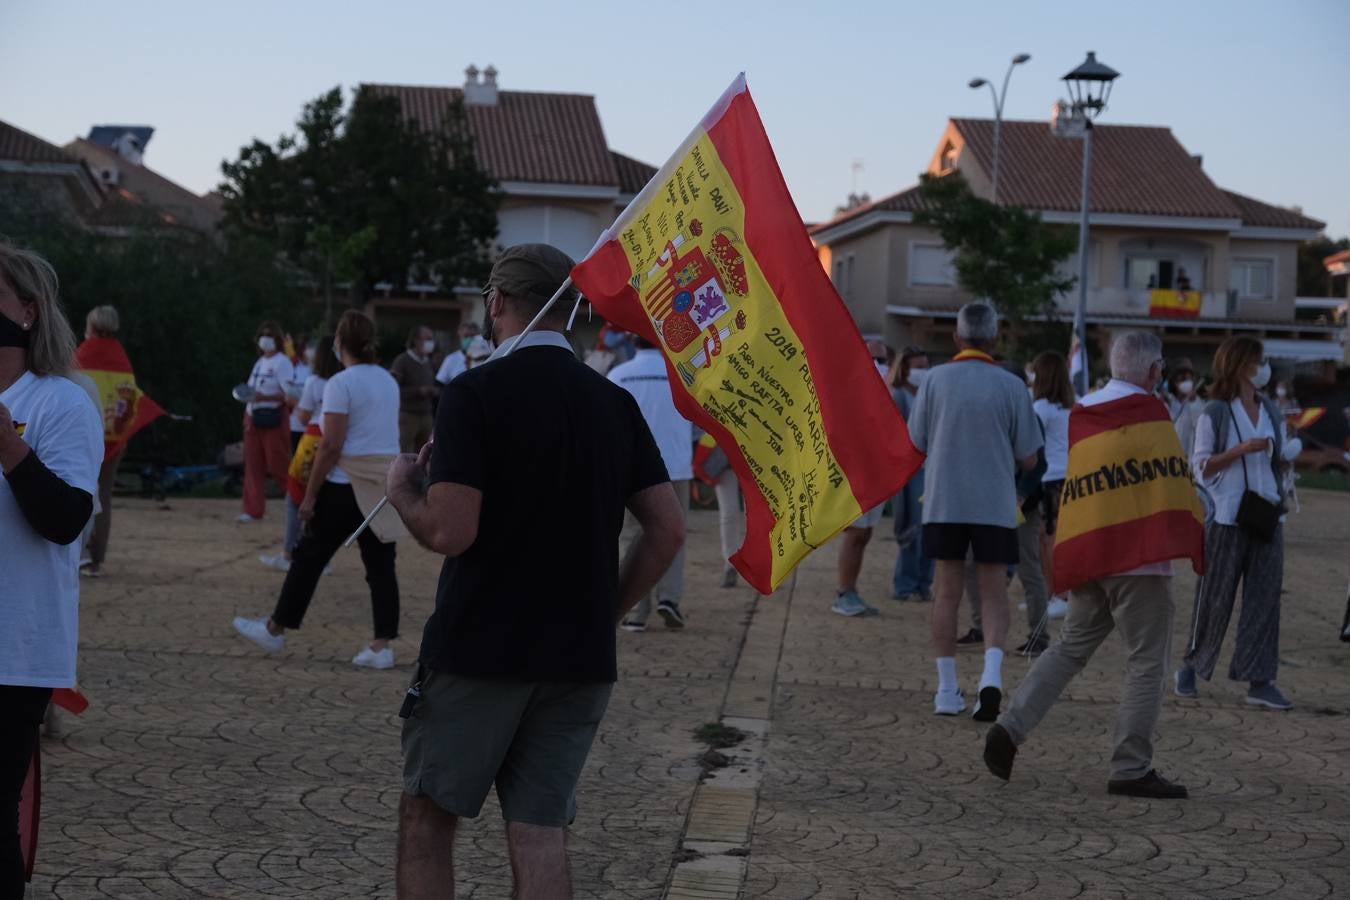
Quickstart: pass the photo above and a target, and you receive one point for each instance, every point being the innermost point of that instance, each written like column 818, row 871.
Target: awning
column 1304, row 351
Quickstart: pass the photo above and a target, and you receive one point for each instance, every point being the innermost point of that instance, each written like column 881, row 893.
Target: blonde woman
column 51, row 445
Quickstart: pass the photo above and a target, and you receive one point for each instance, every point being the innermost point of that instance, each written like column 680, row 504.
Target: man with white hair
column 974, row 420
column 1137, row 603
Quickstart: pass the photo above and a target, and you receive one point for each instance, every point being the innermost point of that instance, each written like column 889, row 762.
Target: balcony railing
column 1139, row 302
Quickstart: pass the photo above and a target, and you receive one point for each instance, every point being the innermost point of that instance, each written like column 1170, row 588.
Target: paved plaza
column 205, row 769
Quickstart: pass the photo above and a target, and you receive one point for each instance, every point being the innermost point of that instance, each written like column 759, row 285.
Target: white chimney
column 480, row 93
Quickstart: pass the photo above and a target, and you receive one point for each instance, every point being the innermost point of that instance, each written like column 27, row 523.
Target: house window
column 848, row 275
column 839, row 275
column 949, row 157
column 1253, row 279
column 931, row 264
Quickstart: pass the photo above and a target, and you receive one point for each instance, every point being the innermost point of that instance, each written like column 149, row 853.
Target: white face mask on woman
column 1281, row 392
column 1031, row 376
column 1262, row 376
column 916, row 377
column 267, row 343
column 1184, row 388
column 428, row 347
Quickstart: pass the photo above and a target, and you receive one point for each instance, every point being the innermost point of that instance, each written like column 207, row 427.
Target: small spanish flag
column 1174, row 304
column 1306, row 418
column 1128, row 497
column 125, row 407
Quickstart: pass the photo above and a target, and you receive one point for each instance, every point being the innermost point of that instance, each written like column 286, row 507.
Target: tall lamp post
column 976, row 84
column 1089, row 88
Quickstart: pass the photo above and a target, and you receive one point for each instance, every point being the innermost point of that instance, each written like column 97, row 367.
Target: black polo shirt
column 557, row 450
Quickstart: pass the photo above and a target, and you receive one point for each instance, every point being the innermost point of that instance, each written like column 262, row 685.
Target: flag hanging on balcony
column 1174, row 304
column 124, row 406
column 1128, row 498
column 711, row 263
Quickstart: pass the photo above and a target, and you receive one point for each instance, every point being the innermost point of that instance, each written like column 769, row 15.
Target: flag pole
column 510, row 348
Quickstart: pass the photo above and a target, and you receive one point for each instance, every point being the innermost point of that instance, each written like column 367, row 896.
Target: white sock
column 946, row 666
column 993, row 669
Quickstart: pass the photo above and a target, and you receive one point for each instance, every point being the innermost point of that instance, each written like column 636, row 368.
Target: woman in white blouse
column 1238, row 449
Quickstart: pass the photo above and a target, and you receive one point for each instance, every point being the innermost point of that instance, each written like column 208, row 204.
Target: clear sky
column 1258, row 88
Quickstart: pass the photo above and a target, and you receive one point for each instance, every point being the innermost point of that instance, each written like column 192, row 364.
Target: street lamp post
column 976, row 84
column 1089, row 88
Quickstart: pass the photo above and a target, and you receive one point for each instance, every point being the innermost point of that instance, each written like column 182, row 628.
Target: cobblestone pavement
column 204, row 769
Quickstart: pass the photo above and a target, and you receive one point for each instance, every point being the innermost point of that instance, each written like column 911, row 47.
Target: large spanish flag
column 125, row 407
column 1128, row 498
column 711, row 263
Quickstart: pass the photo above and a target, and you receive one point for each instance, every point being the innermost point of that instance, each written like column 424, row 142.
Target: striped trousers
column 1232, row 555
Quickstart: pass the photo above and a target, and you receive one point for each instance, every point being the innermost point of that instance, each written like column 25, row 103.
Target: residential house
column 560, row 182
column 116, row 156
column 33, row 170
column 1156, row 215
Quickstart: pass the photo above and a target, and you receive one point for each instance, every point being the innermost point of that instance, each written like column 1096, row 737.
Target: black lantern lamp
column 1090, row 85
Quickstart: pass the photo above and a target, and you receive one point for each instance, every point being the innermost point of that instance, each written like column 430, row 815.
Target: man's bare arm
column 444, row 518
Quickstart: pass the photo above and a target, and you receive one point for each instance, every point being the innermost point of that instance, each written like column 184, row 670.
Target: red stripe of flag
column 1116, row 549
column 1136, row 409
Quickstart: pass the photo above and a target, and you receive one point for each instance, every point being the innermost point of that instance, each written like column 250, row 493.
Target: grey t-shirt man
column 974, row 420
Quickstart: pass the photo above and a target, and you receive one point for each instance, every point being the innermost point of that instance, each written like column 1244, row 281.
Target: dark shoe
column 1185, row 682
column 1034, row 648
column 729, row 577
column 986, row 707
column 1152, row 786
column 999, row 751
column 1265, row 693
column 670, row 613
column 973, row 636
column 633, row 625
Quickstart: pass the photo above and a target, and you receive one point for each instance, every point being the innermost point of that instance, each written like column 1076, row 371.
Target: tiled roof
column 20, row 146
column 633, row 174
column 145, row 185
column 1264, row 215
column 909, row 200
column 1136, row 169
column 525, row 136
column 1341, row 257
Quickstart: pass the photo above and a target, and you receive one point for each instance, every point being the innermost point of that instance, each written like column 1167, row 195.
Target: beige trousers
column 1140, row 608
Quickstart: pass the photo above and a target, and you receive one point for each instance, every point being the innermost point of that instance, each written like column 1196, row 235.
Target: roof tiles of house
column 1136, row 169
column 525, row 136
column 633, row 174
column 20, row 146
column 1263, row 215
column 909, row 200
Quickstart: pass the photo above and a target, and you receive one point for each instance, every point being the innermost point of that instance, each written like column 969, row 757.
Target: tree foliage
column 1313, row 278
column 1004, row 253
column 189, row 307
column 363, row 195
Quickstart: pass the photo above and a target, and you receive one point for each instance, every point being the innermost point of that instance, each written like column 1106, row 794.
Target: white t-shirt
column 300, row 377
column 1055, row 420
column 368, row 396
column 39, row 580
column 269, row 376
column 311, row 398
column 454, row 364
column 1227, row 486
column 645, row 377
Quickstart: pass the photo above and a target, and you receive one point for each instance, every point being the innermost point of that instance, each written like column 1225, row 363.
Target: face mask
column 309, row 355
column 337, row 351
column 1031, row 376
column 916, row 377
column 1262, row 376
column 267, row 343
column 428, row 347
column 881, row 368
column 1185, row 387
column 1281, row 392
column 12, row 334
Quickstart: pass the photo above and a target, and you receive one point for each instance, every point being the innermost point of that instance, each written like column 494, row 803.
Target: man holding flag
column 1128, row 508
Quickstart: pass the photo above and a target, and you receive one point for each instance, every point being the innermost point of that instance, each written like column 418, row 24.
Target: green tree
column 1313, row 278
column 1005, row 253
column 362, row 195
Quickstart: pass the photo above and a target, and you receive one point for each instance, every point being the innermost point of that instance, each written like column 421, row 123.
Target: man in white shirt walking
column 646, row 377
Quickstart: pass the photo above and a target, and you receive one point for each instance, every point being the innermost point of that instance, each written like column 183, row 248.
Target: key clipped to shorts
column 414, row 694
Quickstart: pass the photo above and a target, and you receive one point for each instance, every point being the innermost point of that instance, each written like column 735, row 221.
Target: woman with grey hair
column 51, row 444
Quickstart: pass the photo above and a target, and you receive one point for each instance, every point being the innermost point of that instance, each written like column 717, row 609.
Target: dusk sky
column 1258, row 88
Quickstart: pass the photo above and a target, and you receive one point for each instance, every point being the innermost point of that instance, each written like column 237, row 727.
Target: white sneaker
column 245, row 518
column 949, row 703
column 280, row 563
column 374, row 659
column 1057, row 608
column 256, row 631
